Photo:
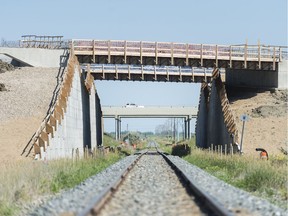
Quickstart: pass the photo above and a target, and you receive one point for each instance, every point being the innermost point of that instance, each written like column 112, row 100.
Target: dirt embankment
column 267, row 125
column 3, row 68
column 23, row 106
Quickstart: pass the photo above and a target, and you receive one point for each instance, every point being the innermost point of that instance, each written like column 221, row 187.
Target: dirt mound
column 23, row 107
column 270, row 110
column 4, row 66
column 267, row 125
column 280, row 95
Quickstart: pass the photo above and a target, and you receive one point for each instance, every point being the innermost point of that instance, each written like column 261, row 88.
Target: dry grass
column 24, row 182
column 264, row 178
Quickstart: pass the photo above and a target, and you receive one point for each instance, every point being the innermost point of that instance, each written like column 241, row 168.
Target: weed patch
column 267, row 179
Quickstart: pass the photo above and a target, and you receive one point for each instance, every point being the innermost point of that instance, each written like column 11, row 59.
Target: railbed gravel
column 75, row 200
column 151, row 188
column 236, row 200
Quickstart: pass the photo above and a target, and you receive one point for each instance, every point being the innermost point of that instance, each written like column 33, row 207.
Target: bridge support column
column 188, row 128
column 117, row 127
column 185, row 128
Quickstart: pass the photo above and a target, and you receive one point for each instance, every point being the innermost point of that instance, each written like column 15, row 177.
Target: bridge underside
column 168, row 61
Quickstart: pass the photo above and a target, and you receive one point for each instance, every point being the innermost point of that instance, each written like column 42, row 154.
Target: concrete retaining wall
column 72, row 125
column 215, row 126
column 283, row 74
column 217, row 132
column 202, row 118
column 68, row 136
column 252, row 78
column 35, row 57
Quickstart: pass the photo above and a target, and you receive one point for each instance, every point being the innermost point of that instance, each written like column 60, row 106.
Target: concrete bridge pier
column 117, row 128
column 187, row 127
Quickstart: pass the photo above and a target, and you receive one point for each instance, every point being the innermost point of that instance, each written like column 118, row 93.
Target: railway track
column 153, row 185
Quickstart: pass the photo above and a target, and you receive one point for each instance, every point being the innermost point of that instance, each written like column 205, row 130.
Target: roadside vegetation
column 264, row 178
column 26, row 182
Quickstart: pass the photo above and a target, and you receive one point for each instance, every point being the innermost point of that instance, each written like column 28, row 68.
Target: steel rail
column 95, row 206
column 204, row 197
column 97, row 203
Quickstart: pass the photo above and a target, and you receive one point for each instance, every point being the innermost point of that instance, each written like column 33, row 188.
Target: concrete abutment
column 75, row 119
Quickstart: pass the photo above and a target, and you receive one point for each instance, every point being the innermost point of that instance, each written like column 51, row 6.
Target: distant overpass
column 187, row 113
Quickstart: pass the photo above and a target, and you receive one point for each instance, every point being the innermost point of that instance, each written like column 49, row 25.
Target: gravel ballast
column 151, row 188
column 76, row 199
column 238, row 201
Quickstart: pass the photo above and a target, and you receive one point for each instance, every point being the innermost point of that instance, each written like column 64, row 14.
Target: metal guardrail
column 148, row 69
column 182, row 50
column 35, row 43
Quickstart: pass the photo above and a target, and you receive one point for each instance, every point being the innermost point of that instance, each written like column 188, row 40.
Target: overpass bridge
column 257, row 66
column 187, row 113
column 74, row 122
column 179, row 54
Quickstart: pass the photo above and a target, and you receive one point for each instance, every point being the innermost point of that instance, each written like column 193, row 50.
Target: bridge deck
column 149, row 73
column 181, row 54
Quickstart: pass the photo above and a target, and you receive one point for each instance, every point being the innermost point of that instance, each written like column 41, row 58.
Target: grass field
column 24, row 182
column 263, row 178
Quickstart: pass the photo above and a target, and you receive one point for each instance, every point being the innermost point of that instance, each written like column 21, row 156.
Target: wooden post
column 245, row 55
column 156, row 53
column 221, row 149
column 259, row 55
column 230, row 57
column 274, row 59
column 125, row 52
column 216, row 56
column 225, row 149
column 141, row 60
column 187, row 54
column 93, row 51
column 172, row 53
column 109, row 51
column 201, row 56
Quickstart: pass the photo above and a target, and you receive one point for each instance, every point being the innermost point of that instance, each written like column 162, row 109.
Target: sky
column 188, row 21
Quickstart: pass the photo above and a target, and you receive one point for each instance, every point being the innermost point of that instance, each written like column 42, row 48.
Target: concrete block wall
column 74, row 123
column 69, row 135
column 217, row 132
column 283, row 74
column 99, row 122
column 92, row 103
column 202, row 117
column 215, row 122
